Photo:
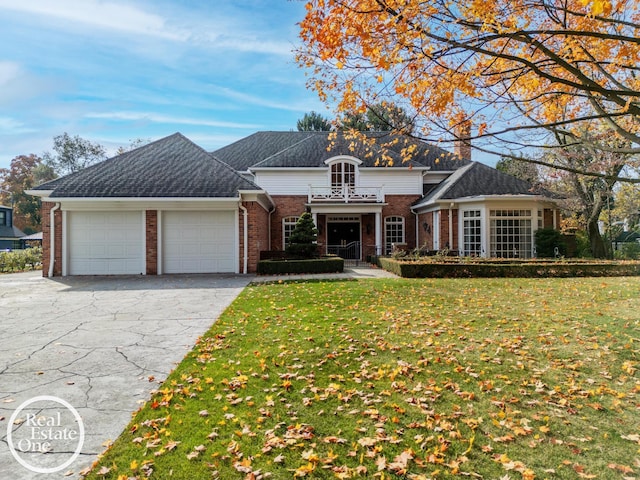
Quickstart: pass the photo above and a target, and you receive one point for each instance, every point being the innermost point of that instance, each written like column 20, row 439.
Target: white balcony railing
column 346, row 194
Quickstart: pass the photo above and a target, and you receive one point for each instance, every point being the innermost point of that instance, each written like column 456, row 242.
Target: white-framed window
column 540, row 219
column 343, row 174
column 288, row 224
column 471, row 233
column 3, row 217
column 510, row 233
column 394, row 231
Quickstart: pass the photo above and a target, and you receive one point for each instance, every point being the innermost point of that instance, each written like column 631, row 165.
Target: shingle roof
column 10, row 232
column 311, row 149
column 475, row 180
column 170, row 167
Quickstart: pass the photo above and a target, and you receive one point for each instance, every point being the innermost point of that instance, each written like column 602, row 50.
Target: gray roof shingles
column 170, row 167
column 311, row 149
column 477, row 180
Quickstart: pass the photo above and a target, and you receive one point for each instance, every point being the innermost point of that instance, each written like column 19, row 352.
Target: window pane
column 394, row 232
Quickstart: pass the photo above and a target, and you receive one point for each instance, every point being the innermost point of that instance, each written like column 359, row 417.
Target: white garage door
column 198, row 242
column 105, row 243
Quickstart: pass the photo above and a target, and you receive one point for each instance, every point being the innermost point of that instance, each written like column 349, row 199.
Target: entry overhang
column 354, row 209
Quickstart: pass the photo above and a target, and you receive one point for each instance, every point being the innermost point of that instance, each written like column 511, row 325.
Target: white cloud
column 96, row 13
column 158, row 118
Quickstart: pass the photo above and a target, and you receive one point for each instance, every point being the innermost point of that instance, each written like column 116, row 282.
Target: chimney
column 462, row 142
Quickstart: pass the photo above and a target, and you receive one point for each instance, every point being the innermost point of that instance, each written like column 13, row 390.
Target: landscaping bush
column 508, row 269
column 20, row 260
column 317, row 265
column 303, row 242
column 547, row 240
column 628, row 251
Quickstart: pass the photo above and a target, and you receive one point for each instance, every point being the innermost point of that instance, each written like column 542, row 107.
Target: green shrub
column 583, row 245
column 20, row 260
column 547, row 240
column 316, row 265
column 628, row 251
column 304, row 238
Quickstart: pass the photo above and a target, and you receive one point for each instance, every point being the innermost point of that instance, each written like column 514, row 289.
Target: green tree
column 313, row 122
column 25, row 172
column 381, row 117
column 303, row 239
column 627, row 204
column 71, row 154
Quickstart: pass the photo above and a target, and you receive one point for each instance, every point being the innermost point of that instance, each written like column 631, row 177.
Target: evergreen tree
column 313, row 122
column 303, row 239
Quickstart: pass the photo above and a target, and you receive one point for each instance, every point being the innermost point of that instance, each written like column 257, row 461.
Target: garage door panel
column 199, row 242
column 105, row 243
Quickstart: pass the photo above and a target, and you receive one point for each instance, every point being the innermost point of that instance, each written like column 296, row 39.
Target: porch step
column 349, row 263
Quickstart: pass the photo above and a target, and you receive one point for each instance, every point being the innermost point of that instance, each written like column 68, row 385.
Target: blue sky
column 113, row 71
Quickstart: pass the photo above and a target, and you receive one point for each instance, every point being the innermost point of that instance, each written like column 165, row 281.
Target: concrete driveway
column 101, row 344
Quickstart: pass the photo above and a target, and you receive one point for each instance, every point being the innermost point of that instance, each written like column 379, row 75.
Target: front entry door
column 343, row 239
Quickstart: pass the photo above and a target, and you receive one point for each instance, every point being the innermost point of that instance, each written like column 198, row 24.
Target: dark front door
column 343, row 239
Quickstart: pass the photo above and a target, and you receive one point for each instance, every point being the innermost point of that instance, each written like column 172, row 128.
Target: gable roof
column 173, row 166
column 477, row 180
column 311, row 149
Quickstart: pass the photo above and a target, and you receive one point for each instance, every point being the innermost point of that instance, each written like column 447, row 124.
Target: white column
column 378, row 233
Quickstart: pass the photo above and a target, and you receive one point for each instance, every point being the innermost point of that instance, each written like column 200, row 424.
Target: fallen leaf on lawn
column 103, row 471
column 634, row 437
column 279, row 459
column 203, row 413
column 192, row 455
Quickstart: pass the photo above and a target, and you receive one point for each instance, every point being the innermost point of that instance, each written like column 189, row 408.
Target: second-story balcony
column 346, row 194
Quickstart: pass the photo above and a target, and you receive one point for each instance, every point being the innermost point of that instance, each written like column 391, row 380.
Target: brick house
column 171, row 207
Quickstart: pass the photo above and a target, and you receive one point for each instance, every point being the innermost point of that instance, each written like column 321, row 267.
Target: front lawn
column 479, row 378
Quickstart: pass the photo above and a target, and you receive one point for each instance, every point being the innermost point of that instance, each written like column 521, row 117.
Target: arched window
column 288, row 224
column 343, row 174
column 394, row 232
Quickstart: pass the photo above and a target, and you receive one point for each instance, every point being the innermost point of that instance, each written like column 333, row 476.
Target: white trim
column 346, row 208
column 144, row 242
column 343, row 158
column 52, row 238
column 160, row 238
column 144, row 199
column 65, row 247
column 245, row 239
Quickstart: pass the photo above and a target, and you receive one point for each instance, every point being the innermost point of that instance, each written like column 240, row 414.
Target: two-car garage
column 115, row 242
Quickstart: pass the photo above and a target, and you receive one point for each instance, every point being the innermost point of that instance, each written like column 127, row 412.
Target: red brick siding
column 444, row 229
column 400, row 205
column 151, row 229
column 425, row 238
column 294, row 206
column 286, row 206
column 258, row 234
column 46, row 239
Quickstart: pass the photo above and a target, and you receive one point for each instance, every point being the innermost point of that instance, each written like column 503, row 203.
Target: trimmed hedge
column 508, row 269
column 316, row 265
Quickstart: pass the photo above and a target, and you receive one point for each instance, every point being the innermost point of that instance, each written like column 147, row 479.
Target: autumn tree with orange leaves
column 523, row 72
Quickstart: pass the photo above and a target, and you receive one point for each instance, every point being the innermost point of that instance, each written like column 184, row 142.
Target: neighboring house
column 33, row 240
column 10, row 235
column 171, row 207
column 628, row 237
